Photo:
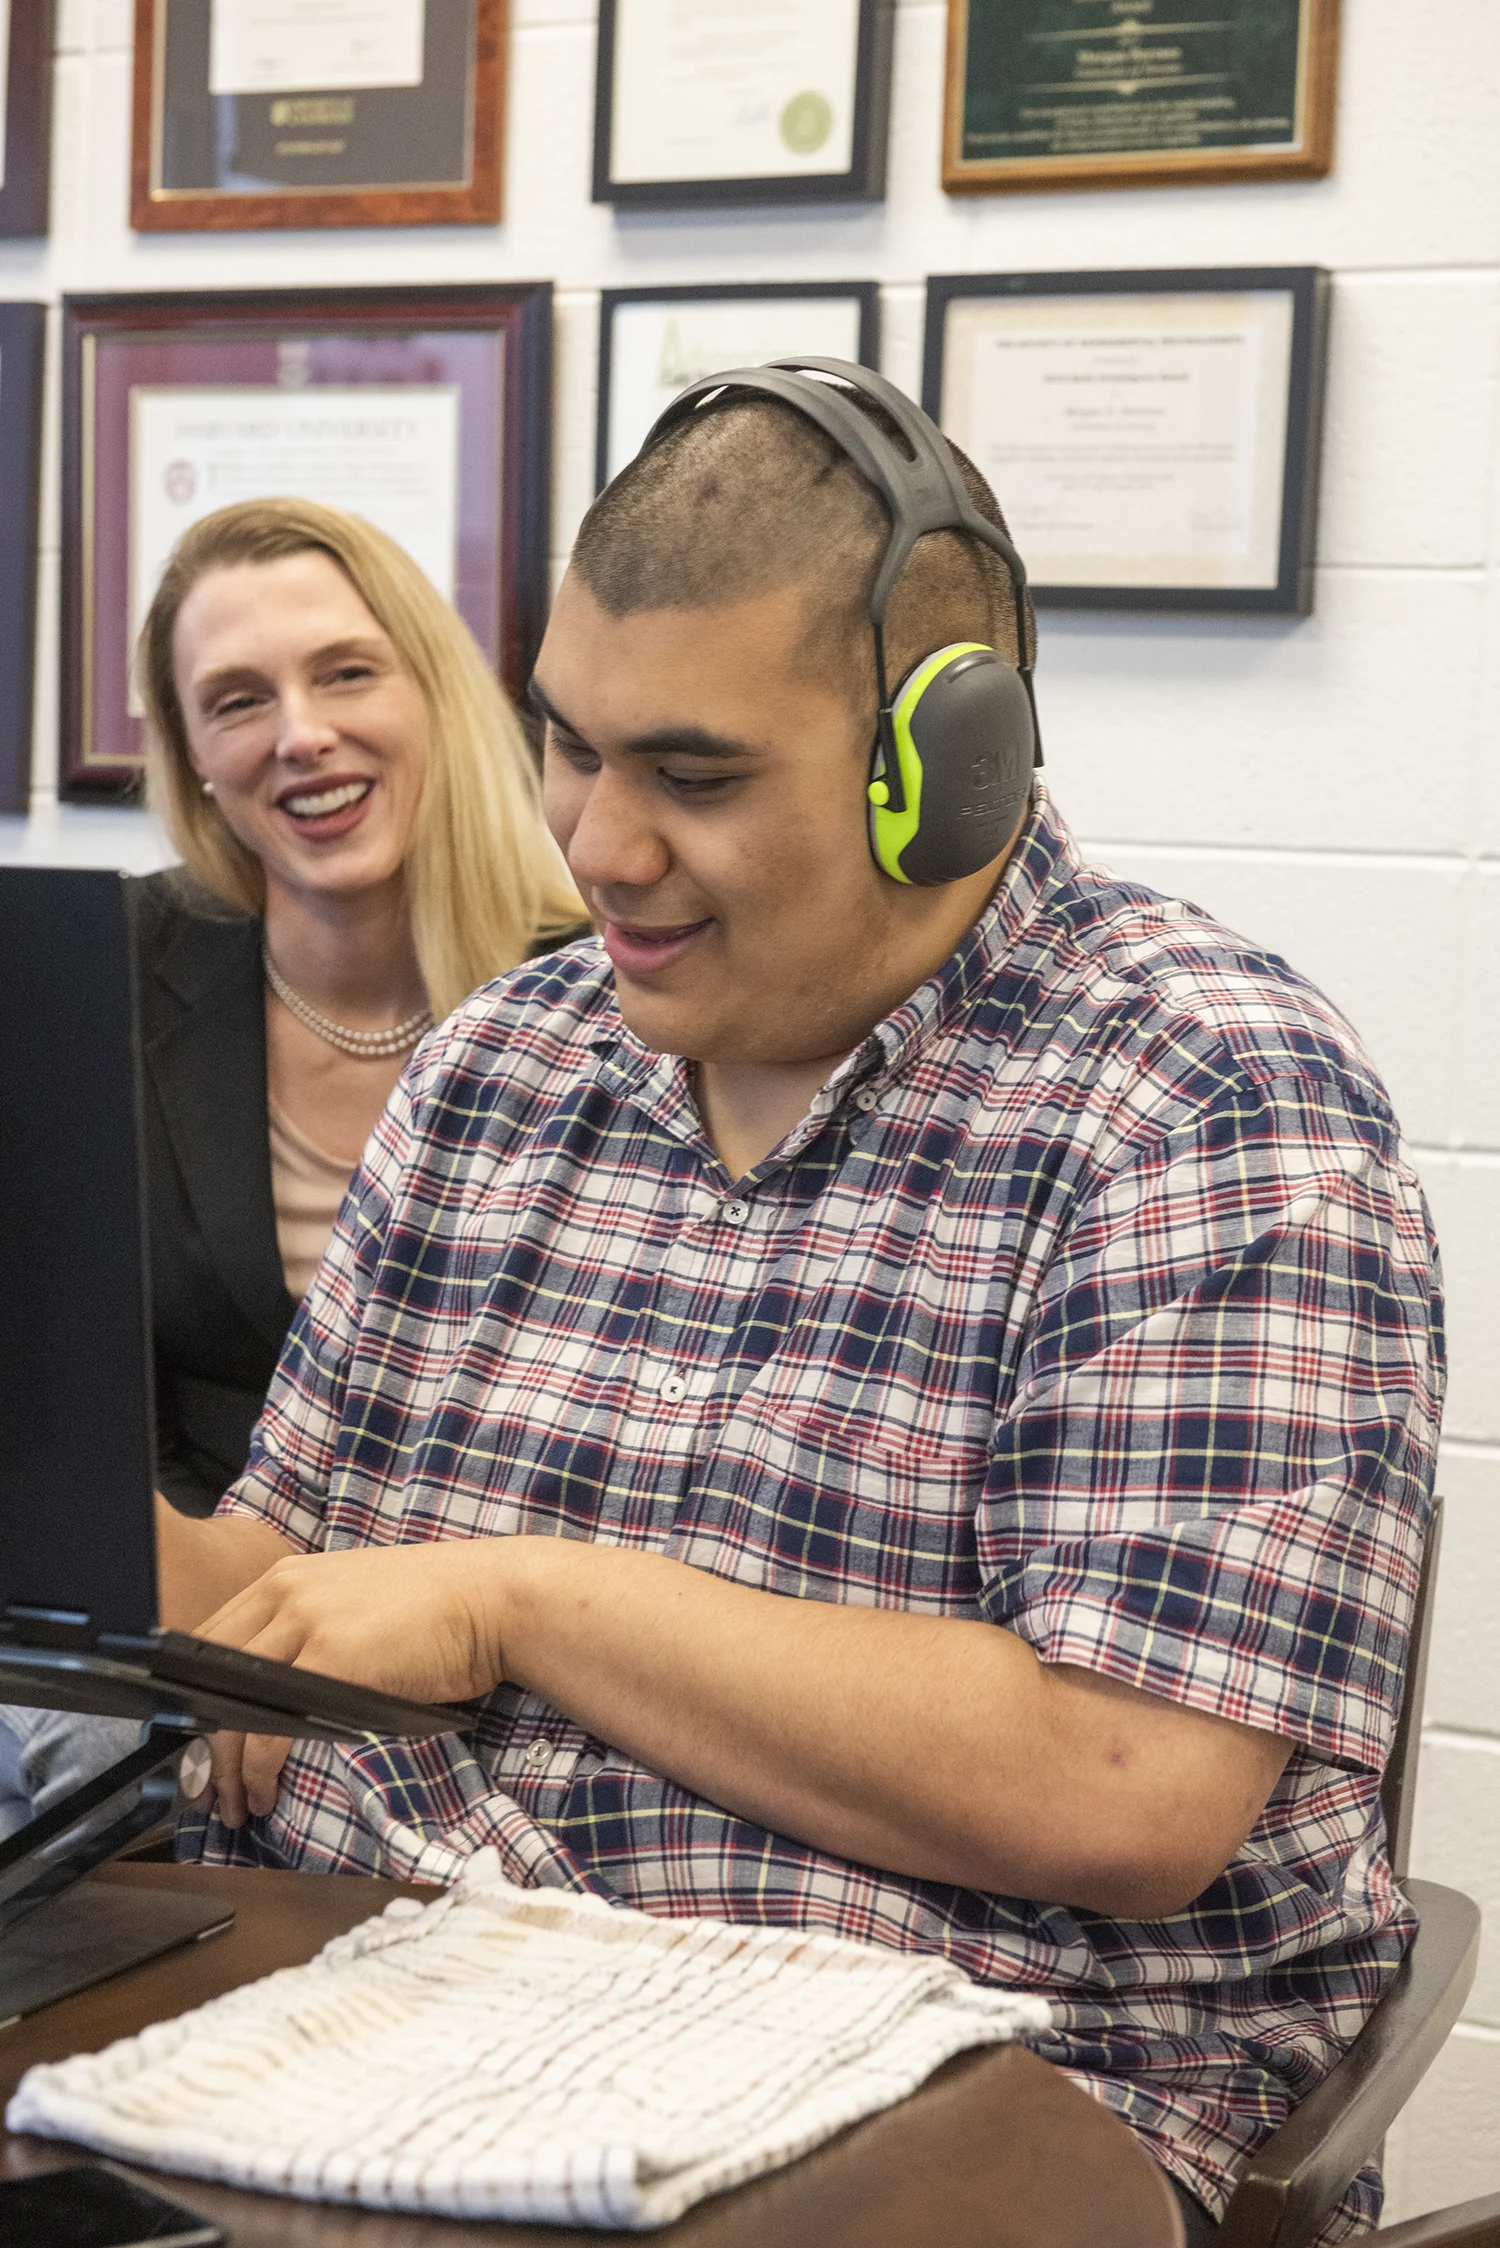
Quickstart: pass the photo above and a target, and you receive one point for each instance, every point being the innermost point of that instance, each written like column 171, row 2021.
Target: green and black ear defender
column 955, row 745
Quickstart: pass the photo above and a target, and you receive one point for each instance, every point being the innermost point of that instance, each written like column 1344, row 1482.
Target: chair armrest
column 1286, row 2191
column 1473, row 2224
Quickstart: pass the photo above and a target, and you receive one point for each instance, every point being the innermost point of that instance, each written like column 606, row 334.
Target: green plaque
column 1058, row 92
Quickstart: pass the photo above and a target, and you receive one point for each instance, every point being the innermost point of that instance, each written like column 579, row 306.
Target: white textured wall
column 1328, row 786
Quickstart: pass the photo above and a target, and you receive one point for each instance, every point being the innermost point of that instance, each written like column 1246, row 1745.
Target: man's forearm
column 202, row 1562
column 933, row 1747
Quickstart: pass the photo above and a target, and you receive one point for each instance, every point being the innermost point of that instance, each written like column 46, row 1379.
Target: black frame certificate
column 312, row 113
column 654, row 342
column 26, row 29
column 741, row 101
column 23, row 329
column 1089, row 93
column 1152, row 437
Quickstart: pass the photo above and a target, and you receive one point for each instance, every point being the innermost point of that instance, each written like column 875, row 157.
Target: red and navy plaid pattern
column 1095, row 1296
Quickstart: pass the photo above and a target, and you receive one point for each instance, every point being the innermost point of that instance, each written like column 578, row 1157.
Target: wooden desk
column 998, row 2150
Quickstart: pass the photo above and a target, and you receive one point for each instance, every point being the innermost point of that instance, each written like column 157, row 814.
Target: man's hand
column 417, row 1620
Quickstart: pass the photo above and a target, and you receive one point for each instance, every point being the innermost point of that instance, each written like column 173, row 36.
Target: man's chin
column 694, row 1033
column 666, row 1024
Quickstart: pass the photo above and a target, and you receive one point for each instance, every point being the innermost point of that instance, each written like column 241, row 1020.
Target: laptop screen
column 76, row 1532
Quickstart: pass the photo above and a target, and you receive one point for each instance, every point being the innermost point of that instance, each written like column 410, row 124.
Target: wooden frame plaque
column 377, row 113
column 1084, row 93
column 426, row 409
column 1153, row 438
column 654, row 342
column 723, row 101
column 26, row 40
column 23, row 333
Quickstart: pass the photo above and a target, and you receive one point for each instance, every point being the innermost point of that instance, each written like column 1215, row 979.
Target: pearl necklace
column 367, row 1045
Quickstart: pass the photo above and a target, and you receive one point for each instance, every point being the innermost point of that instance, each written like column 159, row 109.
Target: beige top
column 307, row 1187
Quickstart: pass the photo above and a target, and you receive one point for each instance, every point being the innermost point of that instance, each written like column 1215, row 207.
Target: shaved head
column 747, row 498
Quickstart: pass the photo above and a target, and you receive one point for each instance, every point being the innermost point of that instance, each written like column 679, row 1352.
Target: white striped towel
column 525, row 2054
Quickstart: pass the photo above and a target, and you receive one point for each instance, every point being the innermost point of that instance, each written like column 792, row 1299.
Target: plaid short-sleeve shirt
column 1094, row 1296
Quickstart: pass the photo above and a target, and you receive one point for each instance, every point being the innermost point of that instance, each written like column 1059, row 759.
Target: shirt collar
column 1044, row 853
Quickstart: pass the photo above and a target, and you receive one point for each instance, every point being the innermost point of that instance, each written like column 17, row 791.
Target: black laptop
column 78, row 1622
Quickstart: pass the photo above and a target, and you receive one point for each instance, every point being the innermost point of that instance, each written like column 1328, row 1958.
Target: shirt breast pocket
column 837, row 1506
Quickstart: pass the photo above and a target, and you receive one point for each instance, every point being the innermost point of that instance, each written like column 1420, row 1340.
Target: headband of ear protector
column 950, row 772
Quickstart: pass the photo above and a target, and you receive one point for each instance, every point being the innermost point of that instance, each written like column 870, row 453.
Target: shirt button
column 866, row 1098
column 539, row 1753
column 734, row 1213
column 672, row 1389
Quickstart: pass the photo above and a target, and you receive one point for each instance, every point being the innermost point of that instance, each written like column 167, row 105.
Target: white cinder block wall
column 1331, row 786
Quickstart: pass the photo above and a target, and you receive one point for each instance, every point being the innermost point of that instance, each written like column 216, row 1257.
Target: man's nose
column 615, row 844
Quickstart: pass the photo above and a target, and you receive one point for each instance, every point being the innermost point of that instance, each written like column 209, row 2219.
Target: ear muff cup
column 962, row 731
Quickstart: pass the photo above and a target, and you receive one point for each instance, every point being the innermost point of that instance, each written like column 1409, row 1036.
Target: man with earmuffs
column 906, row 1375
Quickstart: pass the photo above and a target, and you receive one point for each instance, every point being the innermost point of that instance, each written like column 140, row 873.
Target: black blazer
column 220, row 1307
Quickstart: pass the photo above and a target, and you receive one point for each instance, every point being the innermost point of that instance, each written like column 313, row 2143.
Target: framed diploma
column 1152, row 437
column 426, row 410
column 26, row 28
column 1096, row 93
column 741, row 101
column 23, row 329
column 654, row 342
column 257, row 113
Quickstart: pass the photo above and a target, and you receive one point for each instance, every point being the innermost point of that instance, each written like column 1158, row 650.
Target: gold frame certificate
column 1152, row 437
column 1137, row 93
column 741, row 101
column 314, row 113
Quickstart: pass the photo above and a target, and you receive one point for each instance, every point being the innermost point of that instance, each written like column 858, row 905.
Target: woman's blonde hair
column 484, row 879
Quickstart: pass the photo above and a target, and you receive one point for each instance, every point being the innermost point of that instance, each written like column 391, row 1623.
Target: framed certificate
column 426, row 410
column 1093, row 93
column 741, row 101
column 256, row 113
column 26, row 28
column 654, row 342
column 23, row 330
column 1152, row 437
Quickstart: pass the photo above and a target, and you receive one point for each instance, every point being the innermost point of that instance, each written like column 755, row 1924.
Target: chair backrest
column 1398, row 1789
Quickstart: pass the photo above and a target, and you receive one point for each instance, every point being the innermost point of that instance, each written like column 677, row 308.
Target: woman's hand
column 417, row 1620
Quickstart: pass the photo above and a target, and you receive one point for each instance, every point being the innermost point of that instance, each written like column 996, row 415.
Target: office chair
column 1472, row 2224
column 1289, row 2187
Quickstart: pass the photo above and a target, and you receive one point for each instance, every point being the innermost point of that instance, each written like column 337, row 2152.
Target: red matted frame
column 493, row 341
column 172, row 103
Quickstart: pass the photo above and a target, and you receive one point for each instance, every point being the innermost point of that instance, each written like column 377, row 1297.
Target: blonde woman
column 362, row 843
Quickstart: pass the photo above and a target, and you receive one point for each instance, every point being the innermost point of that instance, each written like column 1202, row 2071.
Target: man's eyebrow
column 542, row 703
column 664, row 741
column 688, row 741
